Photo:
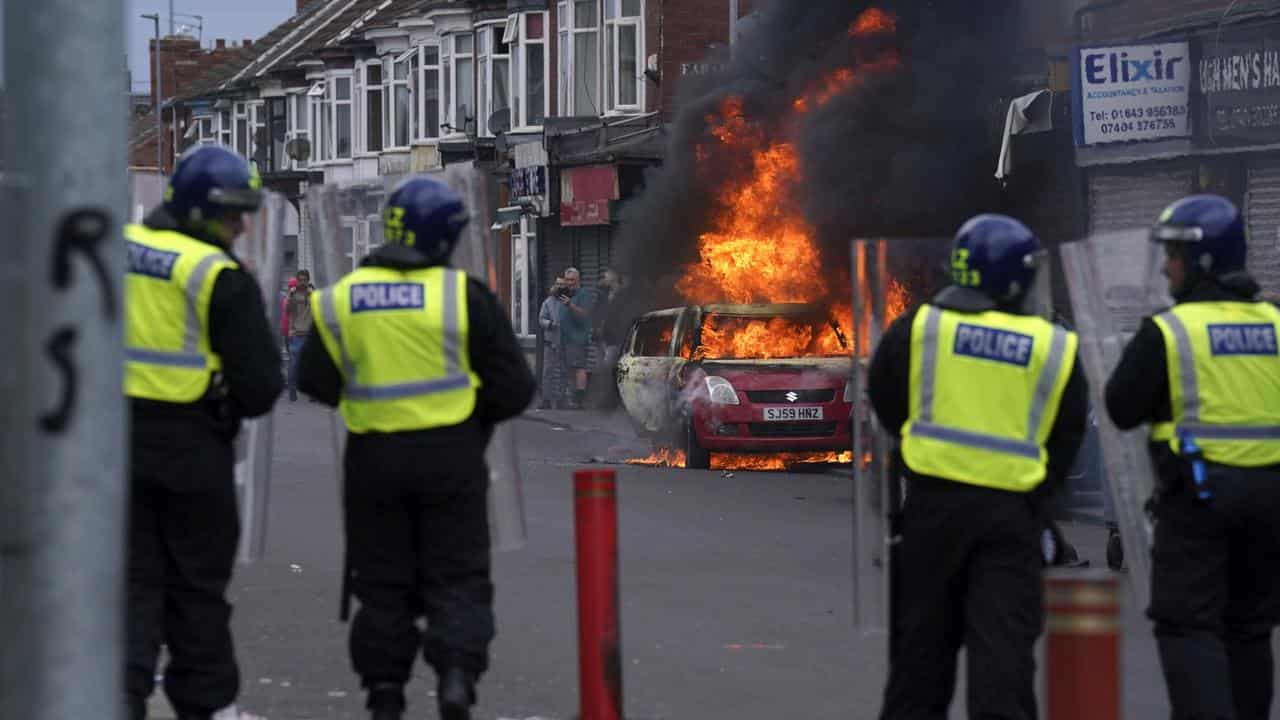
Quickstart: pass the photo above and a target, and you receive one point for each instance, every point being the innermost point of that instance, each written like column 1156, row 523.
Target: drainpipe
column 1092, row 8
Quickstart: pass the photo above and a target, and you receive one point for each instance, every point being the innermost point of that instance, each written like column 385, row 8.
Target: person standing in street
column 1206, row 375
column 988, row 403
column 575, row 334
column 422, row 363
column 552, row 387
column 200, row 356
column 612, row 323
column 298, row 313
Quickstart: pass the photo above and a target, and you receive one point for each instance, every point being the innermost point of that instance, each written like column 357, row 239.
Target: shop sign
column 1131, row 93
column 585, row 193
column 1239, row 81
column 528, row 182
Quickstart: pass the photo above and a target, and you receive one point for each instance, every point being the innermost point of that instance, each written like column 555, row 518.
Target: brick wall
column 182, row 65
column 691, row 29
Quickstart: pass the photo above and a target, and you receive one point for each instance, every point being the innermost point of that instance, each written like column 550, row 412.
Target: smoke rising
column 902, row 152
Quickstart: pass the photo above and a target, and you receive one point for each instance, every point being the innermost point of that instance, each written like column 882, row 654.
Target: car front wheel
column 695, row 456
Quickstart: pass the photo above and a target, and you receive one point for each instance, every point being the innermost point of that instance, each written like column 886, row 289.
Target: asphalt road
column 736, row 593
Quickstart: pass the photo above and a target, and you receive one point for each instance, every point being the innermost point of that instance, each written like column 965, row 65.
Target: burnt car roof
column 753, row 310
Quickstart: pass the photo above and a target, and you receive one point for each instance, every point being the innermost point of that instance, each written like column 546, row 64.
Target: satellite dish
column 500, row 121
column 298, row 148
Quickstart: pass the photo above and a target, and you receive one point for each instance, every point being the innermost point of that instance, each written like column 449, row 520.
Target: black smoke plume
column 906, row 152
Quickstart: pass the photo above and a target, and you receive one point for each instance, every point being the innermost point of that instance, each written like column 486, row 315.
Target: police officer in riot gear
column 1206, row 375
column 989, row 406
column 422, row 362
column 199, row 357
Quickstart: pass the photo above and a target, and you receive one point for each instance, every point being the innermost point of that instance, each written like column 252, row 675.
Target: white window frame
column 519, row 103
column 488, row 37
column 524, row 237
column 240, row 137
column 569, row 31
column 257, row 120
column 321, row 133
column 205, row 125
column 424, row 131
column 391, row 87
column 615, row 22
column 363, row 90
column 335, row 103
column 450, row 60
column 300, row 128
column 225, row 126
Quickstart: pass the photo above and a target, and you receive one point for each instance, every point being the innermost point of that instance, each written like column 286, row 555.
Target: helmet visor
column 236, row 198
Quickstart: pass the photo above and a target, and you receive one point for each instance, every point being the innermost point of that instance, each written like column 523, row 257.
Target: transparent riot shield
column 890, row 276
column 345, row 224
column 1112, row 285
column 261, row 251
column 477, row 254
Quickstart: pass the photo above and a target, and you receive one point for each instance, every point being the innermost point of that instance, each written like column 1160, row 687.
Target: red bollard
column 1083, row 647
column 599, row 635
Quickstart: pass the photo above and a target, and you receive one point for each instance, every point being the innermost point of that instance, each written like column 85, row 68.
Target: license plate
column 791, row 414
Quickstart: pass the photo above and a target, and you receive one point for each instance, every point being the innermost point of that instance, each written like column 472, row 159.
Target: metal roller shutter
column 1124, row 198
column 1263, row 215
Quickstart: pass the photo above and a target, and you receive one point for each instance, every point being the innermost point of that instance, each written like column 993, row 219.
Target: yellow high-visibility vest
column 167, row 293
column 985, row 390
column 399, row 338
column 1224, row 380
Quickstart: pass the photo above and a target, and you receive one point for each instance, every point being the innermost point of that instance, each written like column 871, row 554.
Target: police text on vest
column 992, row 344
column 1252, row 339
column 386, row 296
column 151, row 262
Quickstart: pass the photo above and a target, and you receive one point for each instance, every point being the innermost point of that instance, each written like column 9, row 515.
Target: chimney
column 302, row 4
column 248, row 42
column 220, row 44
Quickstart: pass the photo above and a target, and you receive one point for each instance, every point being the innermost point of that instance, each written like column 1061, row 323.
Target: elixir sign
column 1131, row 93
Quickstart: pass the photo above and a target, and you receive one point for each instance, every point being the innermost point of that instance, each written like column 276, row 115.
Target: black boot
column 456, row 693
column 386, row 701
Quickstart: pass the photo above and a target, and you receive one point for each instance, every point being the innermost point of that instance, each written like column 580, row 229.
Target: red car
column 740, row 379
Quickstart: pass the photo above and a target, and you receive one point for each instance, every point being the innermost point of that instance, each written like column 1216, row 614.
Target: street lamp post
column 156, row 96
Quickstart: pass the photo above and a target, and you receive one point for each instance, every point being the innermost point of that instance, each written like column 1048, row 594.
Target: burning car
column 739, row 379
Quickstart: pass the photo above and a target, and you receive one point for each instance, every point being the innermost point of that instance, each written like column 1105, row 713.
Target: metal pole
column 170, row 18
column 62, row 489
column 599, row 634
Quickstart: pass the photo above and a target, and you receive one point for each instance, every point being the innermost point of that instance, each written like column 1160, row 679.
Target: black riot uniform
column 1215, row 585
column 416, row 512
column 183, row 519
column 968, row 569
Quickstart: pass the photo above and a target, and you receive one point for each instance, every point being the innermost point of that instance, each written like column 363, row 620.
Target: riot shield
column 345, row 224
column 260, row 250
column 890, row 276
column 477, row 254
column 1112, row 285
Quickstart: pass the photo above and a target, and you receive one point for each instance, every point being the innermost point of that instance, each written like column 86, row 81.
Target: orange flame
column 666, row 457
column 873, row 21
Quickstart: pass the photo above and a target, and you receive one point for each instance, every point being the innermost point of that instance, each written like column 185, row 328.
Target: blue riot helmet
column 209, row 185
column 994, row 256
column 1208, row 231
column 425, row 215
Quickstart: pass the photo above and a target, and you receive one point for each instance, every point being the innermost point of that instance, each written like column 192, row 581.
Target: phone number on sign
column 1136, row 126
column 1150, row 113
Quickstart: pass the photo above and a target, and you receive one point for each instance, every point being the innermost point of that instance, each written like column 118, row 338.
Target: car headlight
column 848, row 392
column 721, row 391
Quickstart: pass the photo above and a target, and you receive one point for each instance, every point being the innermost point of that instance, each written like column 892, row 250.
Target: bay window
column 224, row 128
column 493, row 60
column 401, row 116
column 321, row 121
column 277, row 130
column 579, row 27
column 342, row 117
column 429, row 100
column 529, row 69
column 241, row 111
column 299, row 122
column 624, row 55
column 371, row 75
column 459, row 68
column 257, row 132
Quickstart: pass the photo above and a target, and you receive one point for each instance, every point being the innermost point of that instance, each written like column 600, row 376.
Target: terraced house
column 538, row 95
